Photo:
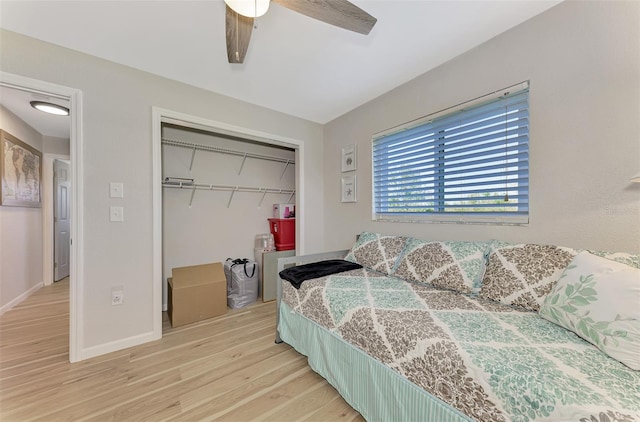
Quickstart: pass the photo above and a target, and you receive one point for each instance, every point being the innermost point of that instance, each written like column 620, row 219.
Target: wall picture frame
column 349, row 189
column 349, row 158
column 21, row 173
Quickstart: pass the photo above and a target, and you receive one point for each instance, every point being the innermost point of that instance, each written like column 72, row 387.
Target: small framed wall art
column 21, row 171
column 349, row 158
column 349, row 191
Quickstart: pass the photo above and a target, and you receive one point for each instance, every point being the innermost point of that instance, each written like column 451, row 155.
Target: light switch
column 116, row 214
column 116, row 190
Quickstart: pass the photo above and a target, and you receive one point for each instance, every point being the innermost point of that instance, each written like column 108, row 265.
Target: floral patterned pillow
column 632, row 260
column 376, row 251
column 523, row 274
column 599, row 300
column 450, row 265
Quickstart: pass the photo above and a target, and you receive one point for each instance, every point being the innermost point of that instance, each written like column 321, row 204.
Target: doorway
column 37, row 88
column 162, row 117
column 219, row 187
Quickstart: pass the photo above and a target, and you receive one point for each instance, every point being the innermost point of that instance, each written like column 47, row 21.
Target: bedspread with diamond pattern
column 490, row 361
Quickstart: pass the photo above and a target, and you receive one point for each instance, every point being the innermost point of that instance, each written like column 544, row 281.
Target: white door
column 61, row 215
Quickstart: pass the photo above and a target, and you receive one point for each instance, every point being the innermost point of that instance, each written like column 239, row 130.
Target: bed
column 402, row 350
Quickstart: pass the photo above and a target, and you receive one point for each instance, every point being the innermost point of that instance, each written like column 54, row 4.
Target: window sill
column 497, row 220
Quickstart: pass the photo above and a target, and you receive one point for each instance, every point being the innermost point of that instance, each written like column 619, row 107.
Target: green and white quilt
column 490, row 361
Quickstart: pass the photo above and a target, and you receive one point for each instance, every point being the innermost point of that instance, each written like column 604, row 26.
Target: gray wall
column 54, row 145
column 582, row 59
column 20, row 229
column 117, row 139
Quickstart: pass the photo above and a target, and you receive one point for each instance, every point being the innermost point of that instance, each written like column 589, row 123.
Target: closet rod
column 226, row 188
column 189, row 145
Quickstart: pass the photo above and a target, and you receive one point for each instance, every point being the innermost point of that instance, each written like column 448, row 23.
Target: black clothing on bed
column 296, row 275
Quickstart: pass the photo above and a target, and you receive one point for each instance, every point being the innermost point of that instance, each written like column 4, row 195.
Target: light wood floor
column 226, row 368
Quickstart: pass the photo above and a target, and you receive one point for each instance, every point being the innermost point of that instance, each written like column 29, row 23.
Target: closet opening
column 218, row 189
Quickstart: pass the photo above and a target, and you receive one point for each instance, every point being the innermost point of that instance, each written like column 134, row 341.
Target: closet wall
column 217, row 226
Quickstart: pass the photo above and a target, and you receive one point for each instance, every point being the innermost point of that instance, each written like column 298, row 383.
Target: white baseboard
column 20, row 298
column 113, row 346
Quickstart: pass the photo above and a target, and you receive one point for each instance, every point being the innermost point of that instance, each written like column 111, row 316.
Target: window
column 469, row 163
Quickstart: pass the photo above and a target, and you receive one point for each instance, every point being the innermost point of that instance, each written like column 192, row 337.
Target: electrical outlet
column 117, row 295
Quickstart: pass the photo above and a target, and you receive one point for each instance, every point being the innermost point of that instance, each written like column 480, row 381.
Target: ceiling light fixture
column 249, row 8
column 50, row 108
column 636, row 178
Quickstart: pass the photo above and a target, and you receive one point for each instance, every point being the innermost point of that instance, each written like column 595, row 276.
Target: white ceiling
column 294, row 64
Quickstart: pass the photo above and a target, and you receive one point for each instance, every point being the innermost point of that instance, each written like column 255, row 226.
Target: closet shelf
column 199, row 147
column 179, row 183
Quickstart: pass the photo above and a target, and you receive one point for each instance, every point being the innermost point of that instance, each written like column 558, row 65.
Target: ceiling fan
column 241, row 14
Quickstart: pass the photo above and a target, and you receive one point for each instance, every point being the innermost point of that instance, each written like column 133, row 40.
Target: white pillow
column 599, row 300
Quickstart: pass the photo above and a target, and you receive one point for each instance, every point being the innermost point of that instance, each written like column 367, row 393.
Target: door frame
column 160, row 116
column 76, row 142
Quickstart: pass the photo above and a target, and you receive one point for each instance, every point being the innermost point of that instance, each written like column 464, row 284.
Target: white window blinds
column 467, row 164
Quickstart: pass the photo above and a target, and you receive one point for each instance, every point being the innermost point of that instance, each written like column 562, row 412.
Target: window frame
column 495, row 218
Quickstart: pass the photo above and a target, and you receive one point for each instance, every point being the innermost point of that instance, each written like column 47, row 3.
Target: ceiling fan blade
column 238, row 35
column 341, row 13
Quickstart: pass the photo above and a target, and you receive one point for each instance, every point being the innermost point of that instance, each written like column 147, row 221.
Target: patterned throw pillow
column 376, row 251
column 524, row 274
column 632, row 260
column 450, row 265
column 599, row 300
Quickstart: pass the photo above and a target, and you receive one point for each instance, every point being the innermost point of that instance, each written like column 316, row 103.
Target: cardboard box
column 284, row 210
column 196, row 292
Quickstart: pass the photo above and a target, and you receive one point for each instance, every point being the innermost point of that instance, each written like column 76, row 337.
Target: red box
column 284, row 233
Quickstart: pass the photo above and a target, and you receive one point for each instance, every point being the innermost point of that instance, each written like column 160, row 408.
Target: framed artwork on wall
column 21, row 172
column 349, row 193
column 349, row 158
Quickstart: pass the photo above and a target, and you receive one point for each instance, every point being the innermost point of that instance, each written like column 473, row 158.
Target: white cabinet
column 270, row 273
